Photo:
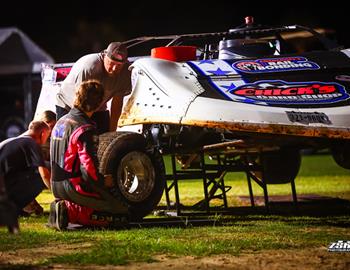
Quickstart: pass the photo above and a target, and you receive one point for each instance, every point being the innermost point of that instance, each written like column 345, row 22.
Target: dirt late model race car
column 246, row 96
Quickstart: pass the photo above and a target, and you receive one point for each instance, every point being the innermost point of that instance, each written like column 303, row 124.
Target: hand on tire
column 108, row 181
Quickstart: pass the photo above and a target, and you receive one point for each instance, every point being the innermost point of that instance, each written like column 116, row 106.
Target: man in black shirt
column 22, row 164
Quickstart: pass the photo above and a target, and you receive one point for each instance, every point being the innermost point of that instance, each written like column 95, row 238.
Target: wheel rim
column 136, row 176
column 13, row 131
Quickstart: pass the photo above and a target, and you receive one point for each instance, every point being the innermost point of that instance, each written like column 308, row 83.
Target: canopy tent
column 19, row 54
column 20, row 59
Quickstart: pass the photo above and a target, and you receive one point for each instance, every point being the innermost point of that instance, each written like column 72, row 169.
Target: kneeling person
column 76, row 183
column 22, row 165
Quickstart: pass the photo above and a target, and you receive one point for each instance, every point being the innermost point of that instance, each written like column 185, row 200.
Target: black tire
column 13, row 126
column 341, row 154
column 124, row 155
column 281, row 166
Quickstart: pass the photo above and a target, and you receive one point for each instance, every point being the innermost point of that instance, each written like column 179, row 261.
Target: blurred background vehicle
column 20, row 80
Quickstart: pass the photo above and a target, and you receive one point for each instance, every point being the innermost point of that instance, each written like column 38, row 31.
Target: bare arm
column 116, row 109
column 45, row 176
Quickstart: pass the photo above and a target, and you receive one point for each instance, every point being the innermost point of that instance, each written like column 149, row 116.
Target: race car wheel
column 281, row 166
column 13, row 126
column 138, row 173
column 341, row 154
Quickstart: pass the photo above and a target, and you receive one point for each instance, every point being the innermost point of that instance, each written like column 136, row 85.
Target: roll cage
column 207, row 43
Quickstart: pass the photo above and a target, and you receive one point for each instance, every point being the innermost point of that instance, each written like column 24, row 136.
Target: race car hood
column 305, row 94
column 312, row 80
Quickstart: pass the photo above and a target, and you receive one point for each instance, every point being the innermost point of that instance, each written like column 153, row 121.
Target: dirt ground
column 314, row 258
column 318, row 258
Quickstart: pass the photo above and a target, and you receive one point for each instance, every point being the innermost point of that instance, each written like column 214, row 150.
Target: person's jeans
column 23, row 187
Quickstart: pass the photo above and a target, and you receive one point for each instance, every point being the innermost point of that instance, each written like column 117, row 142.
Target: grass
column 227, row 235
column 319, row 174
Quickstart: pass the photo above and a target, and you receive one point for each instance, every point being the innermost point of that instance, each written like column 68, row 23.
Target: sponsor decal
column 308, row 117
column 48, row 74
column 275, row 65
column 339, row 246
column 344, row 78
column 62, row 73
column 281, row 92
column 102, row 217
column 213, row 67
column 58, row 131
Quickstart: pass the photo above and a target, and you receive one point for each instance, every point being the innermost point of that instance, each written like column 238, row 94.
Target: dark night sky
column 69, row 29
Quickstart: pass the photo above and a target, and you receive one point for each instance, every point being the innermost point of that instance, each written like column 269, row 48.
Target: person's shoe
column 52, row 215
column 61, row 216
column 34, row 208
column 23, row 213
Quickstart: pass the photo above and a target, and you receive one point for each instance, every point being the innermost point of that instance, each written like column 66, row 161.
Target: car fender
column 162, row 92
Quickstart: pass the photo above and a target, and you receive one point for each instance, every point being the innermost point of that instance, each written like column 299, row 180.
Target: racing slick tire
column 13, row 126
column 281, row 166
column 138, row 173
column 341, row 154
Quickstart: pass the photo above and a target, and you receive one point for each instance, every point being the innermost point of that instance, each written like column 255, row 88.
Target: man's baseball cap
column 117, row 51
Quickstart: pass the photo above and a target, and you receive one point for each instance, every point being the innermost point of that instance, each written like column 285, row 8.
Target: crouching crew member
column 78, row 187
column 22, row 164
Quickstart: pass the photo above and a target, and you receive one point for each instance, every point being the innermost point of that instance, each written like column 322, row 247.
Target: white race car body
column 244, row 96
column 174, row 93
column 247, row 88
